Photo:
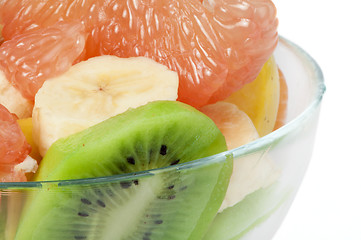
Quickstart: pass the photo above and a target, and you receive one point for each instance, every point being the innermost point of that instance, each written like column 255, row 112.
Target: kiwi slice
column 174, row 201
column 236, row 221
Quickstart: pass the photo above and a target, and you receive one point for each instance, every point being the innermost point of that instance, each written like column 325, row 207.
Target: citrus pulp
column 29, row 59
column 13, row 147
column 216, row 47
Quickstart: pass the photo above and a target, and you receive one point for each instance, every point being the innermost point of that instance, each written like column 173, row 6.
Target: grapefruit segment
column 169, row 34
column 214, row 55
column 31, row 15
column 12, row 176
column 12, row 99
column 13, row 147
column 216, row 47
column 247, row 30
column 29, row 59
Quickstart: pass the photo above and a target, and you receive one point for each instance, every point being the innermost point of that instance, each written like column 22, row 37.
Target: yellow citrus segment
column 260, row 98
column 26, row 126
column 282, row 107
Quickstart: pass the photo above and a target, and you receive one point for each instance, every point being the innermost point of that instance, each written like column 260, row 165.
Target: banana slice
column 250, row 172
column 97, row 89
column 12, row 99
column 235, row 125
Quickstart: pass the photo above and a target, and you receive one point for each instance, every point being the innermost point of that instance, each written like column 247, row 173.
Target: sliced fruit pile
column 152, row 136
column 215, row 48
column 97, row 88
column 251, row 172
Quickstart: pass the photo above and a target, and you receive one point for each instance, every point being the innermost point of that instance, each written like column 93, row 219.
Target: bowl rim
column 251, row 147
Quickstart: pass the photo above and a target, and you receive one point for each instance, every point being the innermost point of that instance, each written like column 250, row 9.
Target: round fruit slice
column 235, row 222
column 13, row 147
column 215, row 46
column 29, row 59
column 234, row 124
column 154, row 204
column 250, row 172
column 95, row 90
column 260, row 99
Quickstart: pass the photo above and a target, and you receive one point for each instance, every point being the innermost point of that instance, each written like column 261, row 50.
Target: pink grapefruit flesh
column 215, row 46
column 13, row 147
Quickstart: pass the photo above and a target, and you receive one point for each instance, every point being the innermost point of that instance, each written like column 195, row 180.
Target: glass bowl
column 266, row 176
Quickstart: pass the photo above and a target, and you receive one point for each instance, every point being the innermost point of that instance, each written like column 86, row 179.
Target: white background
column 328, row 204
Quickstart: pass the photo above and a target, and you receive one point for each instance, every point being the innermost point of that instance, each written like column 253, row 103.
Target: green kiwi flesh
column 171, row 202
column 235, row 222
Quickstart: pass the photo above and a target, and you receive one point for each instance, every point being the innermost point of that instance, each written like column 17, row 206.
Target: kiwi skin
column 78, row 156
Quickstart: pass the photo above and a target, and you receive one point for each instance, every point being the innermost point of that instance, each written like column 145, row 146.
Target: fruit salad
column 124, row 115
